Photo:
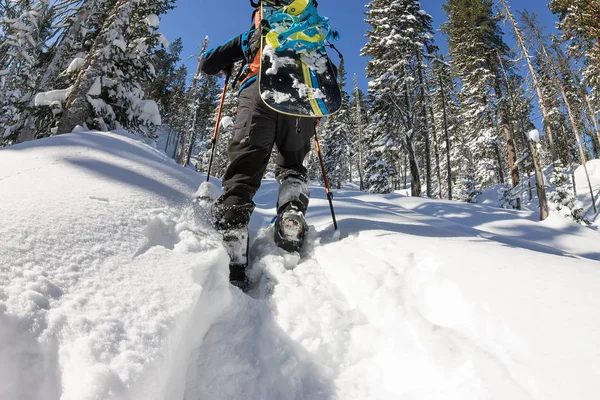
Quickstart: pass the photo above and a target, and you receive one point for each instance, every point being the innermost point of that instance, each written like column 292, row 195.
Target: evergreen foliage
column 562, row 199
column 469, row 185
column 337, row 139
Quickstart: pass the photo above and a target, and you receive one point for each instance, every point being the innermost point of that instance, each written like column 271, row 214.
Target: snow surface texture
column 489, row 197
column 110, row 289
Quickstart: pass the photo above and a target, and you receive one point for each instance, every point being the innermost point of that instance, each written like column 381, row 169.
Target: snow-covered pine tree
column 580, row 23
column 359, row 121
column 400, row 33
column 562, row 199
column 25, row 29
column 74, row 23
column 107, row 92
column 475, row 57
column 377, row 172
column 576, row 93
column 168, row 86
column 444, row 95
column 469, row 185
column 508, row 197
column 466, row 48
column 168, row 90
column 202, row 100
column 221, row 159
column 336, row 138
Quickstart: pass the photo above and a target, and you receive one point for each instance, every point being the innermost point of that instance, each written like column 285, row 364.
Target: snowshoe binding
column 290, row 228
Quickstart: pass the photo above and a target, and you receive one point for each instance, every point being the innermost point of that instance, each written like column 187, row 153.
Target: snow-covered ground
column 111, row 289
column 491, row 195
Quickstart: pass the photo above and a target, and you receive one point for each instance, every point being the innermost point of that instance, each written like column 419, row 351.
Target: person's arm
column 222, row 58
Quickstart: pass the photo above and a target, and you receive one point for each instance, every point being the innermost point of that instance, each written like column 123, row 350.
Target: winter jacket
column 245, row 46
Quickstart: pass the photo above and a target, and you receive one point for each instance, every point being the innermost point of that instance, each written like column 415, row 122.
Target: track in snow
column 350, row 321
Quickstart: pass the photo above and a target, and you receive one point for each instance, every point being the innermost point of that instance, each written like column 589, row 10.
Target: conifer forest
column 442, row 125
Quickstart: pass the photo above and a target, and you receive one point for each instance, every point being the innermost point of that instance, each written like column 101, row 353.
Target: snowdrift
column 111, row 289
column 490, row 196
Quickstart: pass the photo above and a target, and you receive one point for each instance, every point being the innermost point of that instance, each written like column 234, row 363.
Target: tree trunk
column 507, row 128
column 449, row 165
column 573, row 124
column 593, row 117
column 415, row 178
column 510, row 146
column 539, row 181
column 573, row 180
column 435, row 149
column 28, row 133
column 429, row 178
column 499, row 159
column 536, row 84
column 405, row 172
column 360, row 133
column 438, row 167
column 188, row 139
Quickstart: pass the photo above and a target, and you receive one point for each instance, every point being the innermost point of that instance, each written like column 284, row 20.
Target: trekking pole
column 217, row 125
column 327, row 188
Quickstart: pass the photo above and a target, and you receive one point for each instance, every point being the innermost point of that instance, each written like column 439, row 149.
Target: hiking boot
column 236, row 242
column 290, row 228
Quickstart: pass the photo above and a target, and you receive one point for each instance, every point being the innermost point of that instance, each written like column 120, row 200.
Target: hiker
column 257, row 129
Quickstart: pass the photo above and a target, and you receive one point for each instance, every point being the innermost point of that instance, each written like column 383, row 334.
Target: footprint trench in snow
column 111, row 290
column 317, row 330
column 320, row 330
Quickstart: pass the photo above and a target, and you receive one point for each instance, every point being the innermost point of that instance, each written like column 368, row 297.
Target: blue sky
column 222, row 19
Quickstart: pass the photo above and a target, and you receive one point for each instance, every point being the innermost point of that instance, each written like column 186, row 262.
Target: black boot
column 236, row 242
column 290, row 227
column 232, row 222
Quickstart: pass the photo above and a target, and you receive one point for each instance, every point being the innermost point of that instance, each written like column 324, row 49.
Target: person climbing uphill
column 257, row 129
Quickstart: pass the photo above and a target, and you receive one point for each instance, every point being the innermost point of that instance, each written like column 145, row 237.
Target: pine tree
column 168, row 90
column 476, row 56
column 444, row 95
column 220, row 160
column 107, row 92
column 469, row 185
column 25, row 31
column 580, row 23
column 398, row 39
column 337, row 138
column 202, row 101
column 358, row 121
column 562, row 199
column 377, row 171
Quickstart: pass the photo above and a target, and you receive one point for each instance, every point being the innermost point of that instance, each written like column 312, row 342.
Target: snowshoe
column 236, row 242
column 290, row 228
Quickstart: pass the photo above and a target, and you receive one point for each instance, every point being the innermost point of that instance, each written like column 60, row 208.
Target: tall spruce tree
column 580, row 23
column 359, row 121
column 202, row 101
column 400, row 35
column 25, row 30
column 475, row 57
column 336, row 134
column 107, row 92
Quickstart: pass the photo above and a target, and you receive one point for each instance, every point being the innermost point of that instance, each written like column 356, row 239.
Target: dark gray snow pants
column 257, row 129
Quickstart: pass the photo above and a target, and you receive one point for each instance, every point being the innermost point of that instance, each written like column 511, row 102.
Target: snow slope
column 491, row 195
column 111, row 289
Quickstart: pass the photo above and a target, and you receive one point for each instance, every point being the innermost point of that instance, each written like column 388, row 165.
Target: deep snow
column 111, row 289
